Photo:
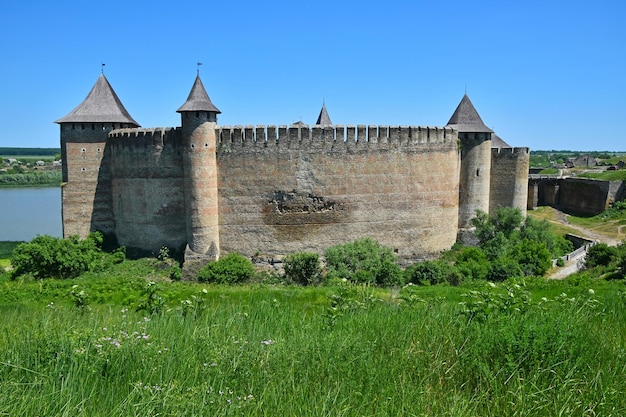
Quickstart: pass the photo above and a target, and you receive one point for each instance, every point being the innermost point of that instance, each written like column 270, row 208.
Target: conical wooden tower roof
column 198, row 99
column 101, row 106
column 466, row 118
column 498, row 142
column 323, row 119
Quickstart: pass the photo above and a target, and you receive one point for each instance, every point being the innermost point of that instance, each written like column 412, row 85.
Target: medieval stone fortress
column 210, row 189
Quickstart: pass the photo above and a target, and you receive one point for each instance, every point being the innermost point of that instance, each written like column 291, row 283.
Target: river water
column 28, row 212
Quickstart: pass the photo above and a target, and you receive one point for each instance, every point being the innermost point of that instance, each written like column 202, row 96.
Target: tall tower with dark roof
column 475, row 173
column 323, row 119
column 86, row 192
column 199, row 119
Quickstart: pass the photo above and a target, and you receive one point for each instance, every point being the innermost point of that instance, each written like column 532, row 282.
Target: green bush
column 517, row 247
column 363, row 261
column 532, row 256
column 231, row 269
column 542, row 231
column 50, row 257
column 432, row 273
column 303, row 268
column 504, row 268
column 600, row 255
column 472, row 263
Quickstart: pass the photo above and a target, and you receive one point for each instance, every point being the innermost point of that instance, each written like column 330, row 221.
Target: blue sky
column 543, row 74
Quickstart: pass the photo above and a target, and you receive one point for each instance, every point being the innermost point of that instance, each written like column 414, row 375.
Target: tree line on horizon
column 29, row 151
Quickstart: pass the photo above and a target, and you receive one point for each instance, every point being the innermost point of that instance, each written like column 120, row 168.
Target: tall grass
column 338, row 351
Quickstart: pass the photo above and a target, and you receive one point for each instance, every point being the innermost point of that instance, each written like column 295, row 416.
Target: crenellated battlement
column 520, row 151
column 140, row 132
column 328, row 137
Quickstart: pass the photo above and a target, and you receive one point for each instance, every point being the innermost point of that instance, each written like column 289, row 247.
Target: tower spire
column 323, row 119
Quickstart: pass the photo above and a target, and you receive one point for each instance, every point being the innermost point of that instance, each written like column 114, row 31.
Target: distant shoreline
column 29, row 185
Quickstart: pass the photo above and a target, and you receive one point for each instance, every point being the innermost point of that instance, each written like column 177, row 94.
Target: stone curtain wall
column 148, row 188
column 284, row 190
column 509, row 178
column 581, row 196
column 587, row 197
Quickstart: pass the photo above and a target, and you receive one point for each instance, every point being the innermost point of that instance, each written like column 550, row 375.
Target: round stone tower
column 199, row 118
column 475, row 173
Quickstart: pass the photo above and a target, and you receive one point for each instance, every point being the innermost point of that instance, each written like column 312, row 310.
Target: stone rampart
column 509, row 178
column 255, row 138
column 286, row 189
column 147, row 188
column 587, row 197
column 581, row 196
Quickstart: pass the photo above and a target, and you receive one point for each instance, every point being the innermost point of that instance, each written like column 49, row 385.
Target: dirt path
column 562, row 218
column 575, row 264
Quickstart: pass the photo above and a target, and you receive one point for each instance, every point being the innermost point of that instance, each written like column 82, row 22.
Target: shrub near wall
column 50, row 257
column 231, row 269
column 363, row 261
column 303, row 268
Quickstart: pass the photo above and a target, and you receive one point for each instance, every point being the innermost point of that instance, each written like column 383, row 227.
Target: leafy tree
column 496, row 247
column 532, row 257
column 505, row 220
column 363, row 261
column 542, row 231
column 506, row 238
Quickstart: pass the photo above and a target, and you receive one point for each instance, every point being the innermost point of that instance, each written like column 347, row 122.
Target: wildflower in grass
column 591, row 291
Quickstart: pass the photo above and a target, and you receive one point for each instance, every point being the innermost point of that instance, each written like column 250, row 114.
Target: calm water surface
column 28, row 212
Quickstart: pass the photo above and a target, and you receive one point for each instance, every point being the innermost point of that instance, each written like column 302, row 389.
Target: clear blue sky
column 544, row 74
